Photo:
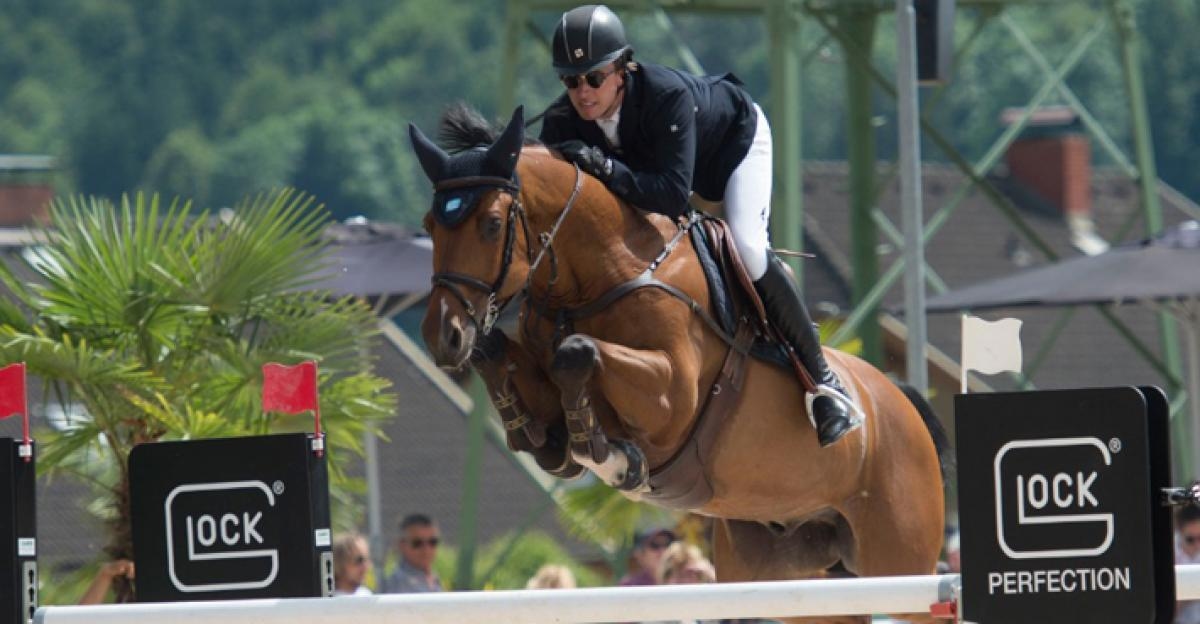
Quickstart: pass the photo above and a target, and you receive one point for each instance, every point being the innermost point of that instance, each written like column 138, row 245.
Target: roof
column 26, row 162
column 976, row 243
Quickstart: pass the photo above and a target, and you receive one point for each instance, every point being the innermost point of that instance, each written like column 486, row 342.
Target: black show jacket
column 678, row 133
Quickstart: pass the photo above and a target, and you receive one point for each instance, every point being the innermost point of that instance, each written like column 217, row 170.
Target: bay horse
column 615, row 365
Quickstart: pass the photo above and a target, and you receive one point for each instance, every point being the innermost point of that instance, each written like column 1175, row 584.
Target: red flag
column 290, row 389
column 12, row 402
column 12, row 390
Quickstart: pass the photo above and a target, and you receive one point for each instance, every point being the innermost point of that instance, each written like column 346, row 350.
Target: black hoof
column 557, row 463
column 638, row 472
column 489, row 348
column 577, row 353
column 568, row 471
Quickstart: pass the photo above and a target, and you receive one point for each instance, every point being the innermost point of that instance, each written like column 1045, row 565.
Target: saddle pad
column 727, row 304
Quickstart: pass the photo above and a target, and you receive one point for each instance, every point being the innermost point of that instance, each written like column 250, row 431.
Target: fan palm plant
column 148, row 322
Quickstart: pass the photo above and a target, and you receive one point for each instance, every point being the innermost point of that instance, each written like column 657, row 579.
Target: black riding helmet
column 587, row 38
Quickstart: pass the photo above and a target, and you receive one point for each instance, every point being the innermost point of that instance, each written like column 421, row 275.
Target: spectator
column 683, row 563
column 1187, row 550
column 351, row 561
column 953, row 562
column 648, row 549
column 98, row 590
column 419, row 539
column 552, row 576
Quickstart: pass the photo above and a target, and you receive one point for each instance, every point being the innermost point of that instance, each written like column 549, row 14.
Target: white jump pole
column 904, row 594
column 885, row 595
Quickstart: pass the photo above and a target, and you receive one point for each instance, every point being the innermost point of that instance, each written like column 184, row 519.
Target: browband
column 476, row 181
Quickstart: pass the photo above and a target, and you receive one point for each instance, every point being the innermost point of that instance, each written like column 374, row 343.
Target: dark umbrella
column 1163, row 272
column 375, row 260
column 1158, row 269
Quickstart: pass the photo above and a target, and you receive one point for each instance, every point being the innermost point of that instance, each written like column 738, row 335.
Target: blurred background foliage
column 216, row 100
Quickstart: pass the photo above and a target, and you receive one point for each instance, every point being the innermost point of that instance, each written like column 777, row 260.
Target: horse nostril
column 455, row 340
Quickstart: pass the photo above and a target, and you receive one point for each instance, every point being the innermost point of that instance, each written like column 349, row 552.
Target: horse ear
column 502, row 155
column 433, row 158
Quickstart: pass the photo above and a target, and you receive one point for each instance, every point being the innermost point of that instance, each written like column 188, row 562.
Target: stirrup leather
column 834, row 394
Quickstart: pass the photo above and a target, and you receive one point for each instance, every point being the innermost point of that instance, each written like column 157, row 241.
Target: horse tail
column 941, row 441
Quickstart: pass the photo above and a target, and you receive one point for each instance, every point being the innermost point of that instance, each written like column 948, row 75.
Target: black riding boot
column 785, row 309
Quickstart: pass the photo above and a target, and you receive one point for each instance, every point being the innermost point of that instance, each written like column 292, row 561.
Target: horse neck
column 596, row 246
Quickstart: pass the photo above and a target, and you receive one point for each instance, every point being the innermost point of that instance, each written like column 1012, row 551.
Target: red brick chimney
column 25, row 190
column 1053, row 159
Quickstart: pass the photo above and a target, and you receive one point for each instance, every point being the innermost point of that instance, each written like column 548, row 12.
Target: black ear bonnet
column 452, row 204
column 459, row 180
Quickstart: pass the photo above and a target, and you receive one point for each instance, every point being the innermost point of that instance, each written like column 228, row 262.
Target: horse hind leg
column 618, row 463
column 749, row 551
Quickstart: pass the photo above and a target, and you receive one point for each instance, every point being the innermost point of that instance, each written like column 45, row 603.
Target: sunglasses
column 417, row 542
column 594, row 79
column 658, row 544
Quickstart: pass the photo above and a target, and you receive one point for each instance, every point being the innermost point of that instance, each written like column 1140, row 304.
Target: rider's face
column 601, row 102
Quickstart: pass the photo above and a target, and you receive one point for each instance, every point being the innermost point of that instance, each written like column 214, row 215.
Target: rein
column 564, row 318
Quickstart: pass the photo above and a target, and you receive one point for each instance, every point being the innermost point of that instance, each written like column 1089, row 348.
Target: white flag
column 990, row 348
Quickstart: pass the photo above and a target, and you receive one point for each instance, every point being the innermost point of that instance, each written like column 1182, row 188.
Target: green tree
column 183, row 165
column 150, row 324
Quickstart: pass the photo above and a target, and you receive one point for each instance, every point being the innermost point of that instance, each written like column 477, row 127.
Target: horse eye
column 493, row 226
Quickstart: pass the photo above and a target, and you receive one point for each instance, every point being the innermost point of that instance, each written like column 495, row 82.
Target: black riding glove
column 589, row 158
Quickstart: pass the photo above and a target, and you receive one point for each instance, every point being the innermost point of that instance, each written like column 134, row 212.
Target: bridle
column 453, row 281
column 562, row 318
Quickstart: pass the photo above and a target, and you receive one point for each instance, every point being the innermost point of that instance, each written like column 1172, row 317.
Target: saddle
column 732, row 292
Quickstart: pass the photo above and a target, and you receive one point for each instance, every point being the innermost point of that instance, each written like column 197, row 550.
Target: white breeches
column 748, row 200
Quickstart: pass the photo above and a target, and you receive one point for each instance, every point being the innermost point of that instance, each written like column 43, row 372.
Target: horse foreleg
column 489, row 358
column 575, row 363
column 651, row 395
column 499, row 362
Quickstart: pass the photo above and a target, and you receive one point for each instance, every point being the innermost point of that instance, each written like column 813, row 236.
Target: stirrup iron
column 832, row 393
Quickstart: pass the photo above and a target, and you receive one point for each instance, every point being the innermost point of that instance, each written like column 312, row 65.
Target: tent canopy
column 1158, row 269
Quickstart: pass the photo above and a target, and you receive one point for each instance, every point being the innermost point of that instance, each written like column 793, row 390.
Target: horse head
column 473, row 225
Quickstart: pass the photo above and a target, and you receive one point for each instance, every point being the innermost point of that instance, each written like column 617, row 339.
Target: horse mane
column 463, row 128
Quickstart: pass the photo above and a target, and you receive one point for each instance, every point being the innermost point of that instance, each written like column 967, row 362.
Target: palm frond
column 73, row 362
column 597, row 513
column 156, row 321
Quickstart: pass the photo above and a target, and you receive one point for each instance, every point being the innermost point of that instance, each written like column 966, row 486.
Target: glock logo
column 219, row 536
column 1047, row 498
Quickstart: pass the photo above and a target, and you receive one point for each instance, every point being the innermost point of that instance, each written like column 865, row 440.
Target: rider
column 655, row 135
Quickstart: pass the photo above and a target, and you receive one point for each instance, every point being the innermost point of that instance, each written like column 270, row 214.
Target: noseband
column 452, row 281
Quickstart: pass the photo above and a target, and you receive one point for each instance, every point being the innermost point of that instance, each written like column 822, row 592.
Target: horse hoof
column 568, row 471
column 559, row 465
column 637, row 472
column 489, row 348
column 576, row 354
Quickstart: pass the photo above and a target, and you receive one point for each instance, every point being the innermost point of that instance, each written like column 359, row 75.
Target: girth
column 682, row 482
